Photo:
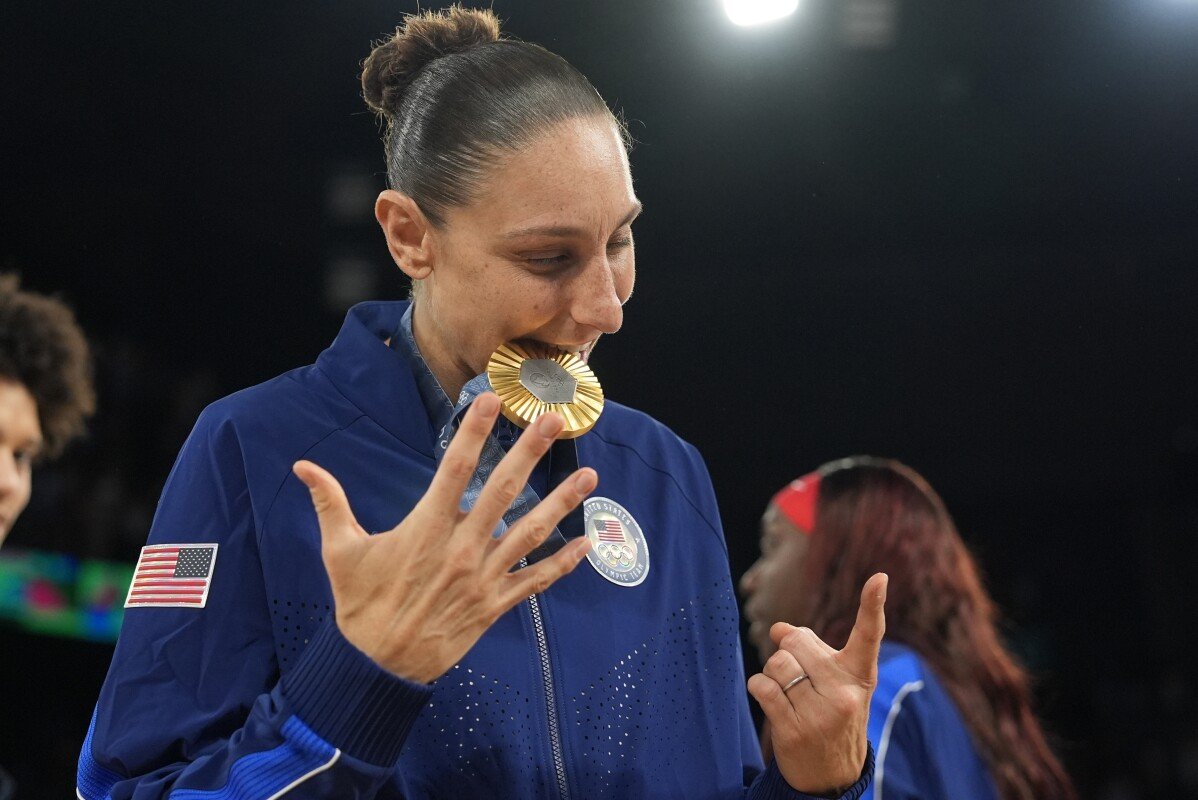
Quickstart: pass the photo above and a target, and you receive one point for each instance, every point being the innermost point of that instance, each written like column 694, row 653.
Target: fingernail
column 585, row 481
column 581, row 547
column 549, row 425
column 487, row 403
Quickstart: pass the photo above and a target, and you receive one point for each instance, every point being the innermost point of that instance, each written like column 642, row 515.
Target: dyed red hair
column 876, row 515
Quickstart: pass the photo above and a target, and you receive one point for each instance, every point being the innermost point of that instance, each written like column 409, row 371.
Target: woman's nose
column 748, row 581
column 10, row 475
column 596, row 303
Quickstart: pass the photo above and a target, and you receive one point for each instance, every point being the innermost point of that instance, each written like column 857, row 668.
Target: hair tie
column 797, row 501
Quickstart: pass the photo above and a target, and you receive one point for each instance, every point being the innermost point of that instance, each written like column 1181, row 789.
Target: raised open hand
column 816, row 698
column 416, row 598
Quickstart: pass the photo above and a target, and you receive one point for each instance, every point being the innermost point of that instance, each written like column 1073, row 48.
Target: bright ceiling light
column 755, row 12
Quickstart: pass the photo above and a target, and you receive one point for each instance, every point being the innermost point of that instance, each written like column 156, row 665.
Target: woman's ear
column 408, row 232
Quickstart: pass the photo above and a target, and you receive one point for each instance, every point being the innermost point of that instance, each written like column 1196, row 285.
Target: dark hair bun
column 394, row 62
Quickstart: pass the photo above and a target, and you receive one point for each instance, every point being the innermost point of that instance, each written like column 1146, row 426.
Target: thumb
column 778, row 632
column 860, row 655
column 336, row 520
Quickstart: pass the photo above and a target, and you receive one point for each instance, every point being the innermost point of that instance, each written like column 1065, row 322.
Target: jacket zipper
column 555, row 737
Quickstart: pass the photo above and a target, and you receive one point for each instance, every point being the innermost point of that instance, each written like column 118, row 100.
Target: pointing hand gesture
column 817, row 698
column 416, row 598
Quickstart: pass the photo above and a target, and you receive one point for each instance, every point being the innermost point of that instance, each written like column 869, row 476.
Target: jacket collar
column 375, row 378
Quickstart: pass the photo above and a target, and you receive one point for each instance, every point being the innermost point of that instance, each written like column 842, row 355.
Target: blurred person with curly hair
column 46, row 390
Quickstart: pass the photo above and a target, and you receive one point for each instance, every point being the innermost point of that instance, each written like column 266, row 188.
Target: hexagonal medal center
column 547, row 380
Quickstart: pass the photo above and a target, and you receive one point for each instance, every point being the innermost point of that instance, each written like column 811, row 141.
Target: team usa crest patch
column 172, row 575
column 618, row 548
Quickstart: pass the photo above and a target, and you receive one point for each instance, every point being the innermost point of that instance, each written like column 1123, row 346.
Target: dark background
column 965, row 239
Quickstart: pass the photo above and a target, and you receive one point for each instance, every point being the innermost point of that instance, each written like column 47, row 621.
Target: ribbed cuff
column 770, row 785
column 351, row 702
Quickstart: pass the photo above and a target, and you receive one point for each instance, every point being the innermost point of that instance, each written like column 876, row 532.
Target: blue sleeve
column 194, row 706
column 767, row 783
column 925, row 752
column 904, row 771
column 770, row 785
column 904, row 775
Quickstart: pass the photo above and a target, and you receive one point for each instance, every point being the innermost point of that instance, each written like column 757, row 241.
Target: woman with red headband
column 951, row 716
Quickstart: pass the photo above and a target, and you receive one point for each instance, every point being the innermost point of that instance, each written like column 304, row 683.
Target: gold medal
column 533, row 380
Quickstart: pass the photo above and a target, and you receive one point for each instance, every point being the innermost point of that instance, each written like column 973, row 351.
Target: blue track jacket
column 924, row 750
column 601, row 690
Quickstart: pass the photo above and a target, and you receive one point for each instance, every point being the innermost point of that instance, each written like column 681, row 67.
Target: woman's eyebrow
column 569, row 230
column 33, row 444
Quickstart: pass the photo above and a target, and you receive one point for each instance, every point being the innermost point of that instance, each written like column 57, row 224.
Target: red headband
column 797, row 501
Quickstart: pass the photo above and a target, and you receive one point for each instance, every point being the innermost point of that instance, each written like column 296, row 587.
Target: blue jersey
column 924, row 750
column 595, row 688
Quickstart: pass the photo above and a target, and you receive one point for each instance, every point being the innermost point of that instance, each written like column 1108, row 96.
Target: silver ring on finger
column 793, row 683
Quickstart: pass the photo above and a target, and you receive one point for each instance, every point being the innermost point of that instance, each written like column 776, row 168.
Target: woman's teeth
column 582, row 351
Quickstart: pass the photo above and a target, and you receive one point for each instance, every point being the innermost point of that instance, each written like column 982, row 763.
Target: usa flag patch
column 172, row 575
